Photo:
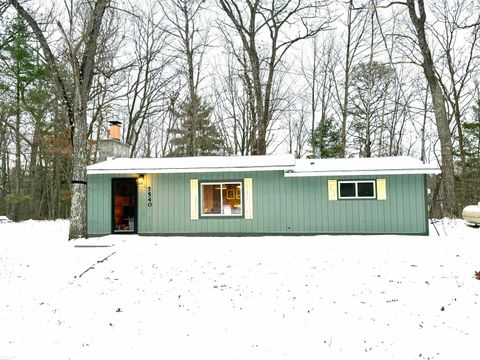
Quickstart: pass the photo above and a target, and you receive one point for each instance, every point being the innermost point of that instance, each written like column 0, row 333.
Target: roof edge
column 430, row 171
column 188, row 170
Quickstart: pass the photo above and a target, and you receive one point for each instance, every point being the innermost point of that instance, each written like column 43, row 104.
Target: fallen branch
column 93, row 266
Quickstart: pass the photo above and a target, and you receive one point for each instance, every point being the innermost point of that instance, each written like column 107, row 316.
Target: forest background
column 324, row 79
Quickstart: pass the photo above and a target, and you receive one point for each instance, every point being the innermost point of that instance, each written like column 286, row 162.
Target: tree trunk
column 3, row 169
column 441, row 118
column 33, row 170
column 78, row 213
column 313, row 107
column 18, row 149
column 74, row 100
column 346, row 81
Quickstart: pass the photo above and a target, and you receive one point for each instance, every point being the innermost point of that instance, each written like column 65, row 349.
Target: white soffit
column 193, row 164
column 394, row 165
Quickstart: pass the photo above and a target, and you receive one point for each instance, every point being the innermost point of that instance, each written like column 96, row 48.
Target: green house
column 258, row 195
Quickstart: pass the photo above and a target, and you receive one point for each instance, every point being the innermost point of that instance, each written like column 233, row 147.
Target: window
column 361, row 189
column 221, row 199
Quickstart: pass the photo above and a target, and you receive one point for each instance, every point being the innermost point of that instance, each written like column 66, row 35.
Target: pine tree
column 327, row 139
column 21, row 71
column 471, row 174
column 195, row 134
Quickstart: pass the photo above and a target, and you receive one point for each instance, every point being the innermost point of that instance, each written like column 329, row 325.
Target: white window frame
column 373, row 182
column 221, row 198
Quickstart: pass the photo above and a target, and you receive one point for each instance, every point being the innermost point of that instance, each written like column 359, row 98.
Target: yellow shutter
column 332, row 189
column 381, row 189
column 248, row 198
column 194, row 199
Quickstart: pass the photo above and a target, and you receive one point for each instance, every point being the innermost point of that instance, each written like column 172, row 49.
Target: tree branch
column 49, row 57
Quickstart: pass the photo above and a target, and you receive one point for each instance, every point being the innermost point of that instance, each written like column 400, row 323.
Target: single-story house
column 258, row 195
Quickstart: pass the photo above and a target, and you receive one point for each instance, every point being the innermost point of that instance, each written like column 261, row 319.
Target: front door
column 124, row 206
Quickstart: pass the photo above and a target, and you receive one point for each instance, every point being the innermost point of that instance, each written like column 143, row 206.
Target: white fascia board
column 185, row 171
column 362, row 172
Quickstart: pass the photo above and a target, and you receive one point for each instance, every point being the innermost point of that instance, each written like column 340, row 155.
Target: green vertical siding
column 99, row 203
column 280, row 205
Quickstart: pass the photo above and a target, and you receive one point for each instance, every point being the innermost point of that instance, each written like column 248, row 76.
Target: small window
column 347, row 190
column 221, row 199
column 356, row 189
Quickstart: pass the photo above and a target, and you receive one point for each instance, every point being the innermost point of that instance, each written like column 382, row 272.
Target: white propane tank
column 471, row 214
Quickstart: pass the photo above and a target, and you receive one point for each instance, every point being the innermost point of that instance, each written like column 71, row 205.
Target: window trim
column 226, row 182
column 356, row 197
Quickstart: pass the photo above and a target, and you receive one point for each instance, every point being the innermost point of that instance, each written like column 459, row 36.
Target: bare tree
column 319, row 73
column 439, row 105
column 371, row 83
column 237, row 98
column 190, row 41
column 457, row 65
column 397, row 117
column 356, row 25
column 232, row 110
column 264, row 29
column 109, row 82
column 81, row 48
column 4, row 157
column 149, row 77
column 298, row 134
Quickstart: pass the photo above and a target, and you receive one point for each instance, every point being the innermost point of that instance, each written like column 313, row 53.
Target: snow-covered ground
column 319, row 297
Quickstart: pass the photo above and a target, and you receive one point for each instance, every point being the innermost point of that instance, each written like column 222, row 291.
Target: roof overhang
column 199, row 164
column 185, row 170
column 393, row 165
column 361, row 172
column 402, row 165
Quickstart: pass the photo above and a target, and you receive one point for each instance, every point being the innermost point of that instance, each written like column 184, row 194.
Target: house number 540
column 149, row 196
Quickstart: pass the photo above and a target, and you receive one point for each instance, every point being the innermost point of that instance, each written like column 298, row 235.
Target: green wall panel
column 280, row 205
column 99, row 203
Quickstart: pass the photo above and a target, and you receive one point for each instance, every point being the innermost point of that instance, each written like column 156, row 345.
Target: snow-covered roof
column 291, row 166
column 193, row 164
column 361, row 166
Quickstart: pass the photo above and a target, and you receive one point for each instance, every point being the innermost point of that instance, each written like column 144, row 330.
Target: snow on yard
column 319, row 297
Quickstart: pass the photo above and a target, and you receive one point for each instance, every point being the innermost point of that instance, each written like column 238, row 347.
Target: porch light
column 140, row 180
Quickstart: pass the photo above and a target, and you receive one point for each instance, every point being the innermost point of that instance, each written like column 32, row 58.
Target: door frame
column 135, row 204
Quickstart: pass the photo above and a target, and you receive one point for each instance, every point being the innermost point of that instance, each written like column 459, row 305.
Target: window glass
column 365, row 189
column 347, row 189
column 212, row 199
column 222, row 199
column 356, row 189
column 232, row 204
